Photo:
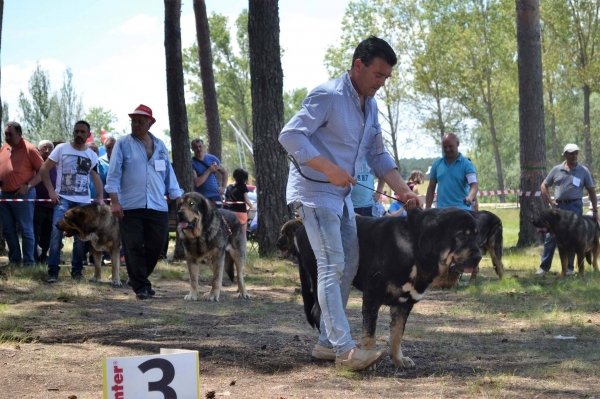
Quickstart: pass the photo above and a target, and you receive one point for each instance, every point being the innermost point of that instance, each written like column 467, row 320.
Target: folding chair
column 251, row 236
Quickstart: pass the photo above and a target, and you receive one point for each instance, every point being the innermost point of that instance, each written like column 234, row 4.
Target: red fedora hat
column 143, row 110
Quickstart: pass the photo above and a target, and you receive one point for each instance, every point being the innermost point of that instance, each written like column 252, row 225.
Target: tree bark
column 267, row 121
column 587, row 138
column 532, row 132
column 178, row 123
column 209, row 92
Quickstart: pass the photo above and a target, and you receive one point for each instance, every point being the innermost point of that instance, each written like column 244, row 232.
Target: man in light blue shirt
column 139, row 176
column 334, row 130
column 455, row 177
column 363, row 197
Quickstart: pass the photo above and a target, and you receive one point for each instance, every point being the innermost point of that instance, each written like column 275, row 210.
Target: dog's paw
column 190, row 297
column 244, row 295
column 404, row 362
column 211, row 297
column 117, row 283
column 94, row 279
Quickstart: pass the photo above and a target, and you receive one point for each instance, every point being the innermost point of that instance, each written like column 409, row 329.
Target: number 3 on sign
column 173, row 376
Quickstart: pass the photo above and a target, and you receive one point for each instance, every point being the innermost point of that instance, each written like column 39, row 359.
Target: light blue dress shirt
column 331, row 123
column 136, row 179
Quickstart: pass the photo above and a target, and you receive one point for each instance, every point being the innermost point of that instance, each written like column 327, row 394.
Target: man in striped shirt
column 335, row 128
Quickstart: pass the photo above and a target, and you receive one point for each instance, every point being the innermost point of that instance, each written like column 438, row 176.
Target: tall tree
column 267, row 120
column 70, row 107
column 531, row 114
column 99, row 119
column 178, row 123
column 576, row 27
column 39, row 109
column 211, row 106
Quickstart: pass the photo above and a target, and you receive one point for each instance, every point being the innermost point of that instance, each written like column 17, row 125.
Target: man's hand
column 177, row 202
column 23, row 189
column 116, row 209
column 221, row 190
column 411, row 200
column 339, row 176
column 54, row 197
column 376, row 196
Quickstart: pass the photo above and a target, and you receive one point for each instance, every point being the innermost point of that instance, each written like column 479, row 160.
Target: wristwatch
column 28, row 186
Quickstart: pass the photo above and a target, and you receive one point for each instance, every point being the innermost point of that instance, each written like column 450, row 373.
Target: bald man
column 455, row 175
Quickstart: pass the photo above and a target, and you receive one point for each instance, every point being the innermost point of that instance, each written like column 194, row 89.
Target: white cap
column 571, row 148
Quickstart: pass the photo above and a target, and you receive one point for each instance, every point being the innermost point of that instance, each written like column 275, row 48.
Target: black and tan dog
column 574, row 234
column 490, row 240
column 285, row 243
column 215, row 236
column 96, row 223
column 398, row 259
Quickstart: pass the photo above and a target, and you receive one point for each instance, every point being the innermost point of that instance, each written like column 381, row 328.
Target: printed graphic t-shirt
column 73, row 172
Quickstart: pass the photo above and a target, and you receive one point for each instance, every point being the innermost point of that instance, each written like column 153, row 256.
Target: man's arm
column 430, row 193
column 474, row 187
column 45, row 176
column 380, row 186
column 98, row 186
column 224, row 177
column 546, row 194
column 594, row 200
column 397, row 183
column 198, row 181
column 336, row 175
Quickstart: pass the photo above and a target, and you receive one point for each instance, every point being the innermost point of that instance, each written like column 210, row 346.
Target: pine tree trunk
column 2, row 239
column 267, row 121
column 209, row 92
column 587, row 138
column 532, row 134
column 178, row 123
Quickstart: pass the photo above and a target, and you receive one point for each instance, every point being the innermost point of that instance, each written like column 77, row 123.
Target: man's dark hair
column 16, row 126
column 196, row 141
column 83, row 123
column 372, row 48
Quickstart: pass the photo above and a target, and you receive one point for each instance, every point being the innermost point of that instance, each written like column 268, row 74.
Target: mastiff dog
column 96, row 223
column 214, row 236
column 489, row 240
column 398, row 259
column 573, row 233
column 286, row 243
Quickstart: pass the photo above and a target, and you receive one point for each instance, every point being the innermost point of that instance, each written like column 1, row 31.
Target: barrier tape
column 487, row 193
column 103, row 199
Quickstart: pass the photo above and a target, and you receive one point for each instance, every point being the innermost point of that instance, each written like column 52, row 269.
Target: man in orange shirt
column 20, row 162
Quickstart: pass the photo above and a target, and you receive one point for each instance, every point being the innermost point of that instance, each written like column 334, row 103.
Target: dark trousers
column 143, row 233
column 42, row 231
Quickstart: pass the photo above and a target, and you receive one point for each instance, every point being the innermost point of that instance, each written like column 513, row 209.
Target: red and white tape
column 487, row 193
column 103, row 199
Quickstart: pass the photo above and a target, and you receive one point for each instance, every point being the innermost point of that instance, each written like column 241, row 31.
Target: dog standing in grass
column 215, row 236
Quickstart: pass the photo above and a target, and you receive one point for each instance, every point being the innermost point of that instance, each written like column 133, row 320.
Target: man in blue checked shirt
column 139, row 176
column 335, row 128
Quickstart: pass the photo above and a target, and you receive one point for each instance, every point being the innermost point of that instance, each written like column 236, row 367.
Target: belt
column 567, row 201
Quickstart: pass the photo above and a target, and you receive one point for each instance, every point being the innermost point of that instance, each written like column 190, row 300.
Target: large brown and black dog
column 215, row 236
column 285, row 243
column 489, row 240
column 96, row 223
column 398, row 259
column 574, row 234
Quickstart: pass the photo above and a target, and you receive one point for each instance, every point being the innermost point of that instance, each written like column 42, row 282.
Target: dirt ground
column 260, row 348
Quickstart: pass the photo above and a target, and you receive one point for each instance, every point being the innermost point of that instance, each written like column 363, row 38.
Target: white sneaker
column 570, row 272
column 541, row 271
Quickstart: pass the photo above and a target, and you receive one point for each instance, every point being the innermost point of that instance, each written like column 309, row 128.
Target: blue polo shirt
column 452, row 186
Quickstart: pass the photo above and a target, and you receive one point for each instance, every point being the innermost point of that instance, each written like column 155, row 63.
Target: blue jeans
column 550, row 243
column 335, row 243
column 13, row 214
column 366, row 211
column 56, row 241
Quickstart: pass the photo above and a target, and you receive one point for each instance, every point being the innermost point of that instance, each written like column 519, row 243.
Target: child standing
column 238, row 192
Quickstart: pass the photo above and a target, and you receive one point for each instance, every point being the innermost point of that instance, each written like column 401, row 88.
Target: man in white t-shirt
column 75, row 165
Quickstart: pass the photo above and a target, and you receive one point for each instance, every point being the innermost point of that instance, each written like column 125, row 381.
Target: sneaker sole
column 361, row 366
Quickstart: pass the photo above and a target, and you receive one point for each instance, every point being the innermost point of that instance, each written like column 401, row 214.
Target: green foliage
column 99, row 119
column 292, row 101
column 410, row 164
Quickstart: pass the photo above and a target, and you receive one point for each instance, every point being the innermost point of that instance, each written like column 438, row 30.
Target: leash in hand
column 297, row 166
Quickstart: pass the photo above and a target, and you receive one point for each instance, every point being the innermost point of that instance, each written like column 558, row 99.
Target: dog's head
column 445, row 243
column 79, row 220
column 194, row 214
column 546, row 220
column 285, row 243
